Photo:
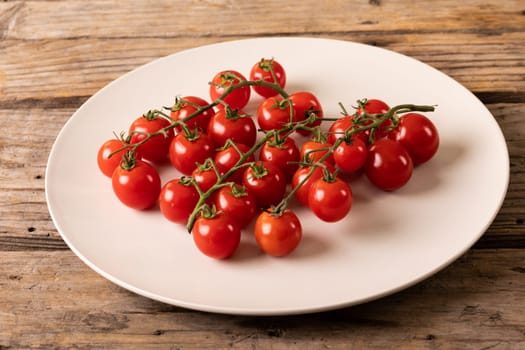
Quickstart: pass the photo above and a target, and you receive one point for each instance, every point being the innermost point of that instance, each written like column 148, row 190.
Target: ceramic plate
column 388, row 242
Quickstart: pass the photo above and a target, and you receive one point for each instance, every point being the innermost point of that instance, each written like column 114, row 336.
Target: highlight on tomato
column 278, row 234
column 177, row 199
column 389, row 166
column 155, row 148
column 271, row 71
column 186, row 109
column 237, row 98
column 330, row 198
column 136, row 183
column 232, row 125
column 216, row 234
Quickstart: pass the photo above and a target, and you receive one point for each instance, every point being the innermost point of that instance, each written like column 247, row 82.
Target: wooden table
column 56, row 54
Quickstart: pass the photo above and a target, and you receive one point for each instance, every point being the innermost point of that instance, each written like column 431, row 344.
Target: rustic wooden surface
column 55, row 54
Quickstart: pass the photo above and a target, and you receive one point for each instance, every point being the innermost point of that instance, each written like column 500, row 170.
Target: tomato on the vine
column 351, row 156
column 372, row 106
column 156, row 148
column 284, row 154
column 389, row 165
column 266, row 182
column 341, row 125
column 274, row 113
column 303, row 172
column 186, row 106
column 237, row 98
column 238, row 203
column 306, row 103
column 136, row 183
column 108, row 159
column 217, row 236
column 312, row 151
column 204, row 176
column 278, row 235
column 234, row 125
column 262, row 70
column 228, row 157
column 187, row 150
column 330, row 199
column 418, row 135
column 177, row 199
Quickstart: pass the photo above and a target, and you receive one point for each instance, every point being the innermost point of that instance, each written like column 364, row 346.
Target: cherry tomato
column 330, row 200
column 266, row 182
column 204, row 176
column 274, row 113
column 262, row 70
column 302, row 192
column 228, row 157
column 108, row 164
column 372, row 106
column 418, row 135
column 282, row 154
column 338, row 128
column 389, row 165
column 234, row 125
column 312, row 151
column 304, row 103
column 136, row 184
column 156, row 148
column 217, row 237
column 350, row 157
column 238, row 203
column 186, row 106
column 278, row 235
column 238, row 98
column 186, row 151
column 177, row 199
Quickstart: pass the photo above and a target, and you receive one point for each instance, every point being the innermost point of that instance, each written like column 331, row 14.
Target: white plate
column 388, row 242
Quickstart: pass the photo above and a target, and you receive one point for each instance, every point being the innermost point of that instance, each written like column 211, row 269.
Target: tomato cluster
column 237, row 168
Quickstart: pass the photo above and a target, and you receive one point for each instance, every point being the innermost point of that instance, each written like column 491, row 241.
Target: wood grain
column 77, row 308
column 56, row 54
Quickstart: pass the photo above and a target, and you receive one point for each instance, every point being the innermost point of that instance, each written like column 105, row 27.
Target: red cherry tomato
column 177, row 200
column 186, row 151
column 389, row 165
column 262, row 70
column 266, row 182
column 237, row 203
column 330, row 200
column 312, row 151
column 228, row 157
column 350, row 157
column 205, row 177
column 343, row 124
column 108, row 164
column 302, row 192
column 217, row 237
column 282, row 154
column 278, row 235
column 274, row 113
column 186, row 106
column 238, row 98
column 304, row 103
column 138, row 186
column 372, row 106
column 418, row 135
column 233, row 125
column 156, row 148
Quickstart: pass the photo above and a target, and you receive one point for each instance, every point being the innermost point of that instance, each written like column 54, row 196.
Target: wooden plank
column 54, row 300
column 173, row 19
column 65, row 72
